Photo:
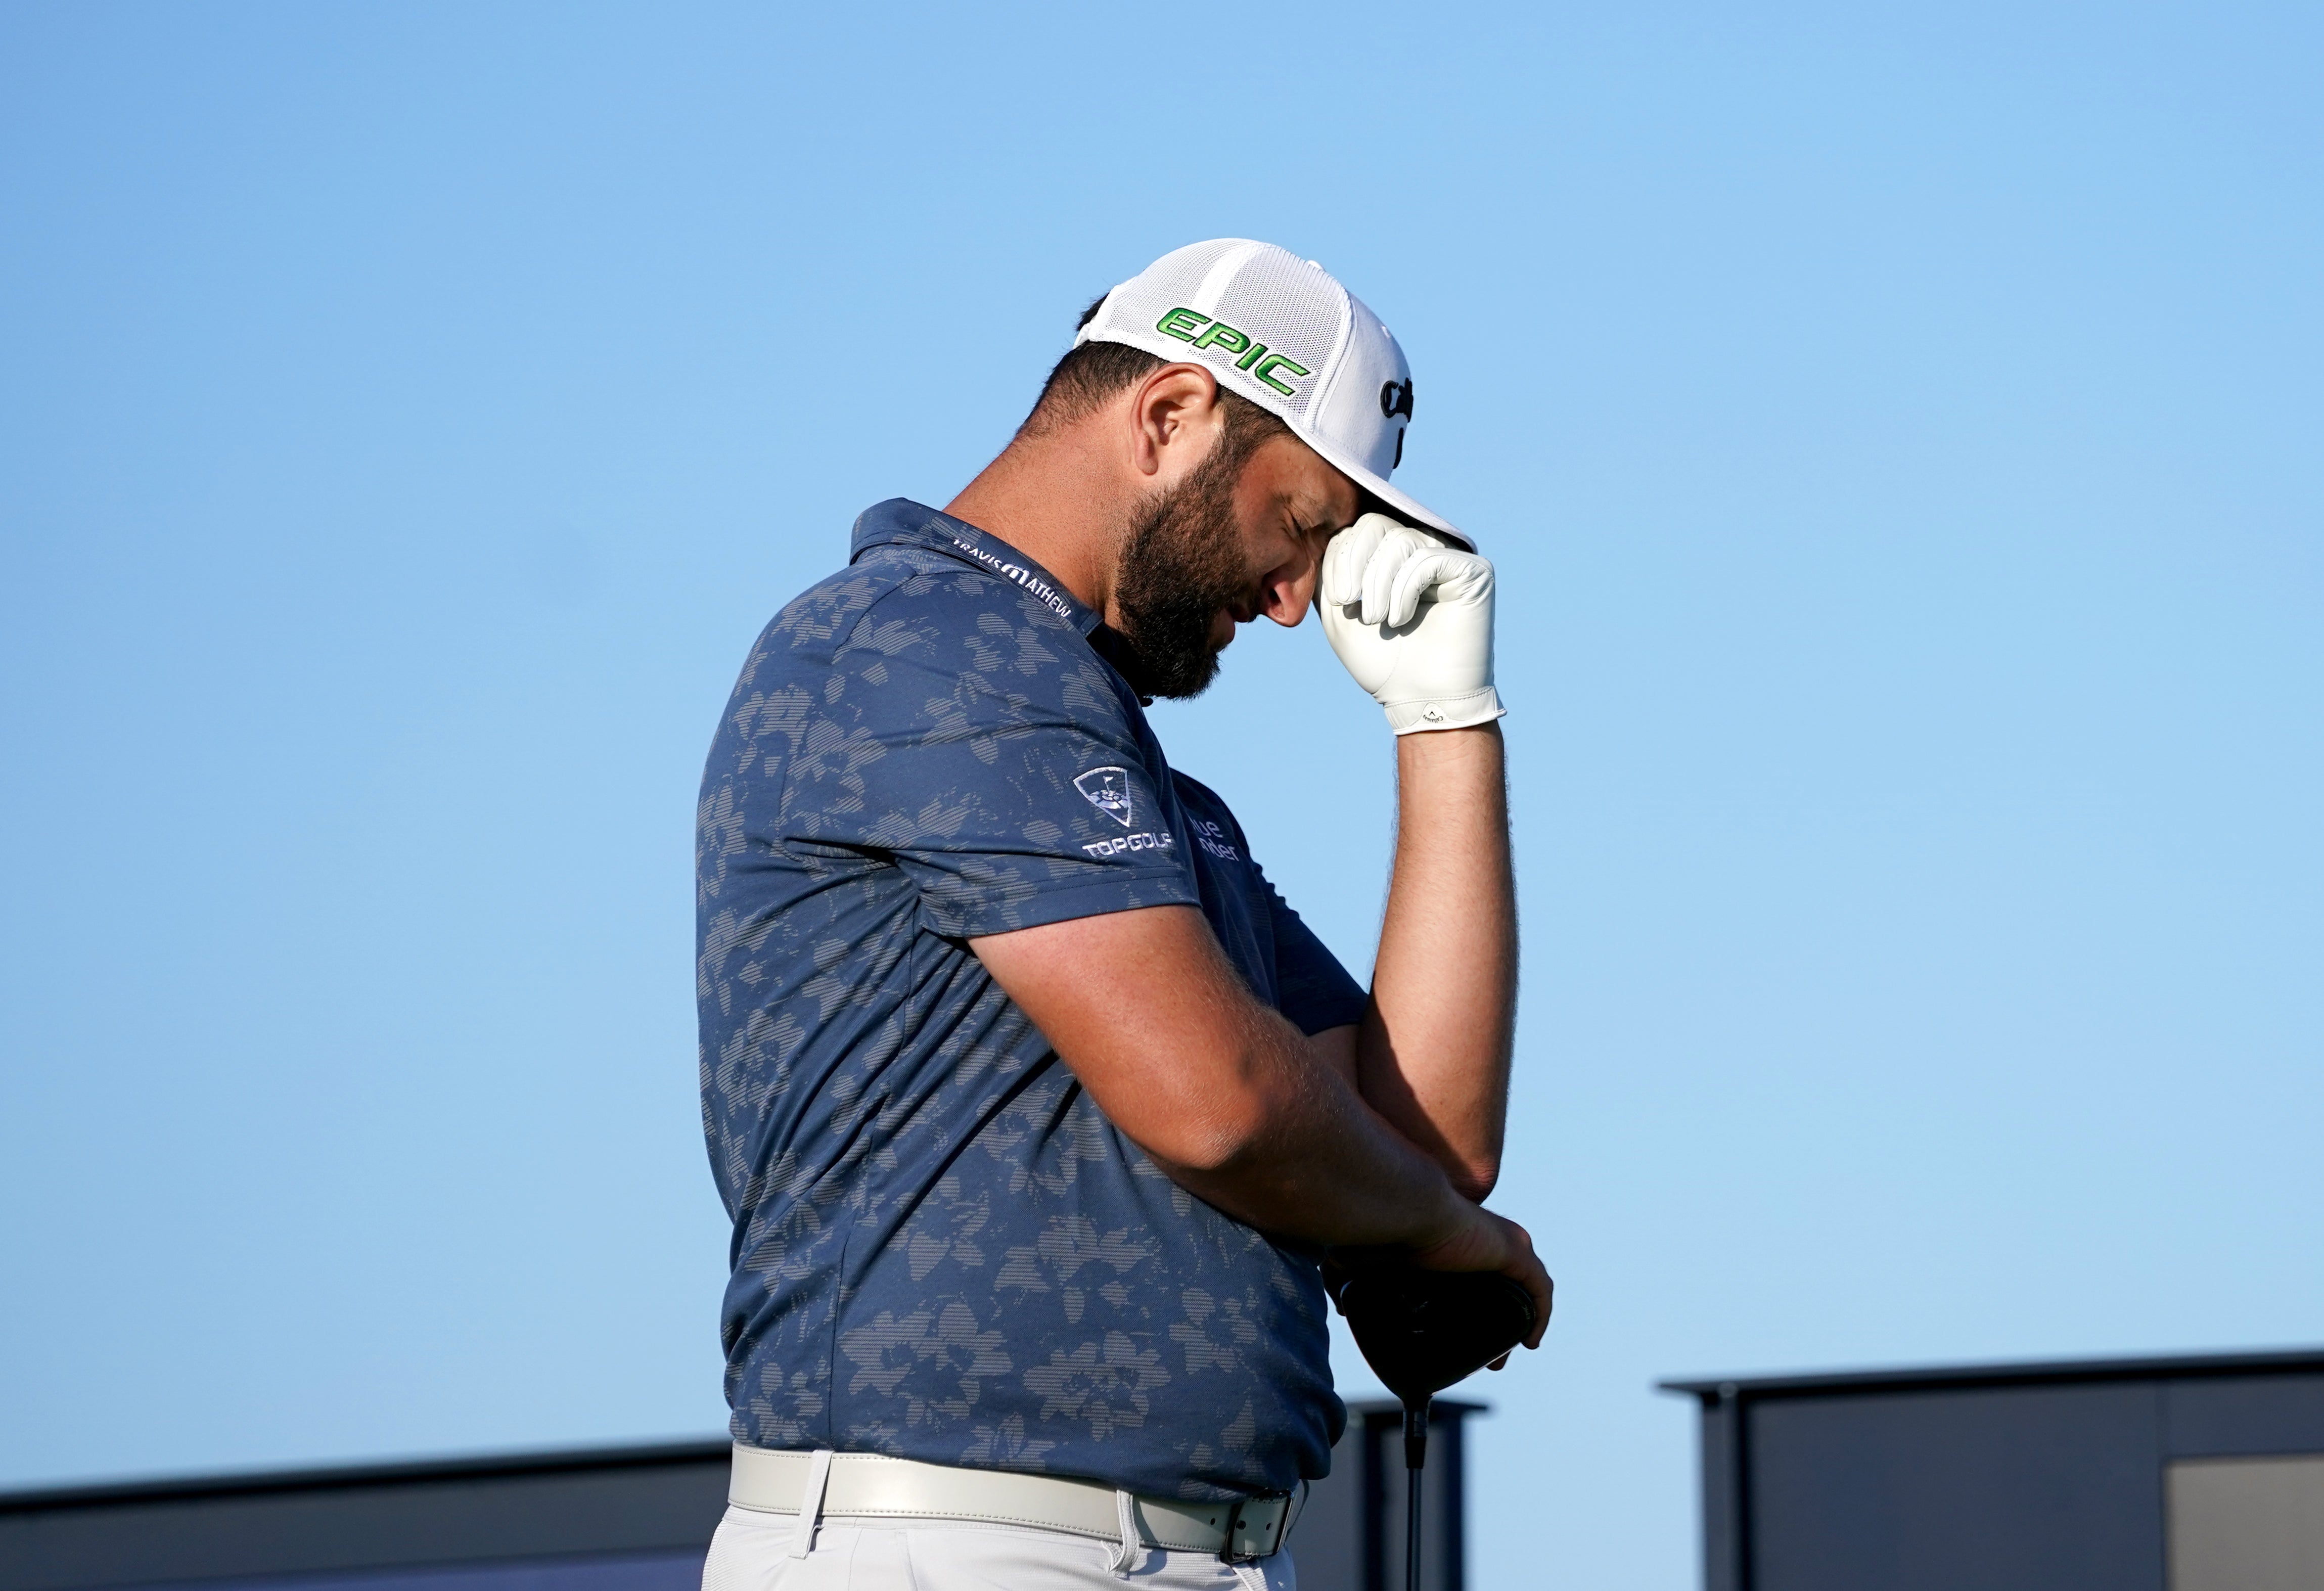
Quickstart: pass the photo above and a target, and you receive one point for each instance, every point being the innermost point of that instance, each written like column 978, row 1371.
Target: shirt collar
column 901, row 523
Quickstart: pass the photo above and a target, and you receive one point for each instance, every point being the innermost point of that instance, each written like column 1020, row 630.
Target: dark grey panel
column 1351, row 1534
column 1328, row 1546
column 2026, row 1489
column 387, row 1525
column 1442, row 1557
column 2246, row 1414
column 1722, row 1543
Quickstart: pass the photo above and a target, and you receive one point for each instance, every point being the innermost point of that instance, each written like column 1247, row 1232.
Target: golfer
column 1034, row 1107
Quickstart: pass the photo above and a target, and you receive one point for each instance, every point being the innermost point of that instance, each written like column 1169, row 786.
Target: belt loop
column 818, row 1473
column 1125, row 1516
column 1228, row 1552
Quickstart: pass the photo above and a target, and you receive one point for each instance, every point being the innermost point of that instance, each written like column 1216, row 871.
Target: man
column 1035, row 1106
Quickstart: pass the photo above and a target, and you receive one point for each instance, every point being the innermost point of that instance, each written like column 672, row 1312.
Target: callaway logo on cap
column 1281, row 331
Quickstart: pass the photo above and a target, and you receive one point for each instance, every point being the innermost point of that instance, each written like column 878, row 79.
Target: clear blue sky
column 1898, row 431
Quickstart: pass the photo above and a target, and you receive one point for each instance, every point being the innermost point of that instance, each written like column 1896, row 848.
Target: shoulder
column 899, row 600
column 1214, row 823
column 921, row 642
column 1193, row 793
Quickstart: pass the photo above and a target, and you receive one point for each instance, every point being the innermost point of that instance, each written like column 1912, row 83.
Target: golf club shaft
column 1415, row 1455
column 1411, row 1530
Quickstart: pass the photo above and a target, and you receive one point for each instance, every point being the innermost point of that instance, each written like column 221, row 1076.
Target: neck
column 1052, row 498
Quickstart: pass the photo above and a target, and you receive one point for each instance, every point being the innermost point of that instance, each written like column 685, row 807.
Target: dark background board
column 633, row 1519
column 2244, row 1415
column 2008, row 1478
column 2014, row 1490
column 1351, row 1533
column 648, row 1507
column 647, row 1571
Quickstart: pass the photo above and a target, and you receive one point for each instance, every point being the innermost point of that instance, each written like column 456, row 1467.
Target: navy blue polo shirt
column 941, row 1248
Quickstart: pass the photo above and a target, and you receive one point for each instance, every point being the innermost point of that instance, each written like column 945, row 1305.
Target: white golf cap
column 1281, row 331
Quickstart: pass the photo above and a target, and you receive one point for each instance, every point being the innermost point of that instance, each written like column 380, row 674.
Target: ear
column 1174, row 418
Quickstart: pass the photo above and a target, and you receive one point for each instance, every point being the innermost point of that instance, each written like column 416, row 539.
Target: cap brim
column 1401, row 503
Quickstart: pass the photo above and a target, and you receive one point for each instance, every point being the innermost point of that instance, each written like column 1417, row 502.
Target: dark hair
column 1088, row 375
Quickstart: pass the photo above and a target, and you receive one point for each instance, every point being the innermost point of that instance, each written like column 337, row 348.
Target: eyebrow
column 1313, row 512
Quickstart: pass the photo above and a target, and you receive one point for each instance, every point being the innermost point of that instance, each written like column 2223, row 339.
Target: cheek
column 1265, row 546
column 1260, row 541
column 1258, row 523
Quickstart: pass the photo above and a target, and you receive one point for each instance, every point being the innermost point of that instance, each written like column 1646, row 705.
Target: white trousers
column 752, row 1551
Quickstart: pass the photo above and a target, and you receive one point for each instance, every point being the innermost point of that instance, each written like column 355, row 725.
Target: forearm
column 1306, row 1158
column 1231, row 1102
column 1324, row 1166
column 1433, row 1056
column 1225, row 1095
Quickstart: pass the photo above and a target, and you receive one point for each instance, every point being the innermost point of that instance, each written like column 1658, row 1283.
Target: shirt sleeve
column 1314, row 991
column 965, row 734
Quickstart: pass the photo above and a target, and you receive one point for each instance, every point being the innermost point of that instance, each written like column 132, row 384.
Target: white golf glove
column 1413, row 620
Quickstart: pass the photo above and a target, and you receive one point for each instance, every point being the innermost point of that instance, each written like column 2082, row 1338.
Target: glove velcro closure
column 1457, row 712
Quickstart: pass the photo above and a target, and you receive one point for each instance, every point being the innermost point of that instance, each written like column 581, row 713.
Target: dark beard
column 1181, row 563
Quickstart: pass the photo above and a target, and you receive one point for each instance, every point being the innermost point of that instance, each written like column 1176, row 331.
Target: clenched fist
column 1412, row 621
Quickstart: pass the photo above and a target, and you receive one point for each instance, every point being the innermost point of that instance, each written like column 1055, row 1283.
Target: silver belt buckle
column 1227, row 1553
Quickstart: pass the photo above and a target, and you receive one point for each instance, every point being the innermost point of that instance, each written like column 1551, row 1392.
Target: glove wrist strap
column 1455, row 712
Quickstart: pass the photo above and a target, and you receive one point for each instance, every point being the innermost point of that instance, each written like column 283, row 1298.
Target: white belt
column 873, row 1485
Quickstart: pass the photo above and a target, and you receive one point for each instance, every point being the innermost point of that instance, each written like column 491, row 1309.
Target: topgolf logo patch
column 1108, row 790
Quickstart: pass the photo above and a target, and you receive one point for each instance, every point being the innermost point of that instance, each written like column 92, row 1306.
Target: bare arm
column 1230, row 1100
column 1433, row 1054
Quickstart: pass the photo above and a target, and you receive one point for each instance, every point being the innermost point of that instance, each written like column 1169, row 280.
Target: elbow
column 1473, row 1177
column 1221, row 1136
column 1219, row 1131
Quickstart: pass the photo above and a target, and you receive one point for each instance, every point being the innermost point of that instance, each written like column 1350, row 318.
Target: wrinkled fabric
column 752, row 1553
column 941, row 1248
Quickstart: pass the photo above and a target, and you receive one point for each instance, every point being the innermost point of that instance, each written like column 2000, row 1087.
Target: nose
column 1287, row 591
